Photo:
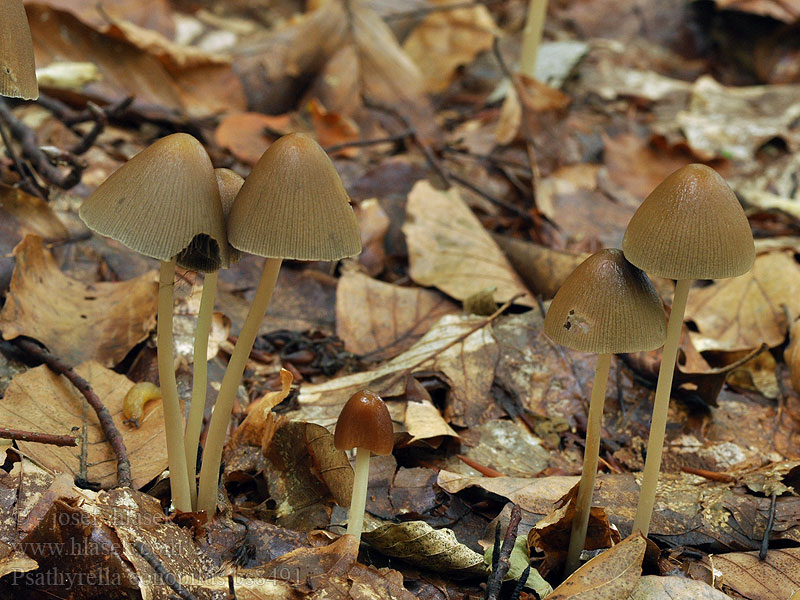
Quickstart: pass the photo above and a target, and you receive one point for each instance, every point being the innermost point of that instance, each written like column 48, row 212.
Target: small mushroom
column 293, row 205
column 17, row 67
column 606, row 306
column 363, row 424
column 691, row 226
column 229, row 184
column 159, row 203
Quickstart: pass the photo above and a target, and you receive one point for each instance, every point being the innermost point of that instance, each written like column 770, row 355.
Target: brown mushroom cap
column 17, row 68
column 294, row 205
column 229, row 183
column 164, row 203
column 606, row 306
column 690, row 227
column 364, row 423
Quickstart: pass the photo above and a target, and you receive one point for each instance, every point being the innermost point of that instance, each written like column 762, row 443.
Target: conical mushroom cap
column 364, row 423
column 606, row 306
column 690, row 227
column 294, row 205
column 229, row 183
column 17, row 68
column 162, row 201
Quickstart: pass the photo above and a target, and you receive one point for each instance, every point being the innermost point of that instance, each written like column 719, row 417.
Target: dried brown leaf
column 745, row 575
column 246, row 134
column 251, row 430
column 744, row 312
column 379, row 320
column 674, row 587
column 449, row 248
column 39, row 400
column 77, row 322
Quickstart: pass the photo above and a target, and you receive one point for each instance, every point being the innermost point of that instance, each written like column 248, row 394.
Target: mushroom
column 363, row 424
column 293, row 205
column 164, row 203
column 229, row 184
column 691, row 226
column 606, row 306
column 17, row 67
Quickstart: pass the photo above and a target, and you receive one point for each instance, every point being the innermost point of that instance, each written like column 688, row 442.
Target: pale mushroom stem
column 532, row 36
column 658, row 425
column 218, row 427
column 591, row 456
column 194, row 423
column 358, row 501
column 173, row 419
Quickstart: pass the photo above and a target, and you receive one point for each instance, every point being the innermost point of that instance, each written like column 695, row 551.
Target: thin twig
column 106, row 422
column 495, row 581
column 762, row 554
column 399, row 137
column 170, row 579
column 523, row 579
column 51, row 439
column 27, row 183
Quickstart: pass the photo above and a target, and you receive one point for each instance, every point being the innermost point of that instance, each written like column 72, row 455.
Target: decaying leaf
column 247, row 136
column 251, row 431
column 744, row 312
column 450, row 249
column 612, row 575
column 77, row 322
column 379, row 320
column 419, row 544
column 518, row 562
column 674, row 587
column 744, row 574
column 39, row 400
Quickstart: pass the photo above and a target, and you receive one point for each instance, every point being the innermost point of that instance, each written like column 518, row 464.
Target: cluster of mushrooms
column 691, row 226
column 169, row 203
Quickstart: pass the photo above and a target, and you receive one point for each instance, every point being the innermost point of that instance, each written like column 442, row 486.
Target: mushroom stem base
column 218, row 427
column 591, row 455
column 358, row 501
column 658, row 425
column 173, row 418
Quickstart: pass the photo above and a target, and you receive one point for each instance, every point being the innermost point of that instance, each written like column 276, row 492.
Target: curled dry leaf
column 421, row 545
column 612, row 575
column 77, row 322
column 39, row 400
column 379, row 320
column 444, row 40
column 744, row 312
column 305, row 471
column 259, row 414
column 449, row 248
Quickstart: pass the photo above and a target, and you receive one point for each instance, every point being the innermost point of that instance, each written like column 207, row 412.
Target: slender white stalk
column 173, row 418
column 218, row 427
column 532, row 36
column 358, row 501
column 591, row 456
column 658, row 425
column 194, row 424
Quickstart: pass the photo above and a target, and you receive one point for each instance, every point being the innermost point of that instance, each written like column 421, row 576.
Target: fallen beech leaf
column 247, row 135
column 444, row 40
column 423, row 421
column 419, row 544
column 673, row 587
column 39, row 400
column 154, row 14
column 449, row 248
column 379, row 320
column 745, row 575
column 744, row 312
column 332, row 128
column 305, row 470
column 251, row 430
column 77, row 322
column 610, row 576
column 456, row 345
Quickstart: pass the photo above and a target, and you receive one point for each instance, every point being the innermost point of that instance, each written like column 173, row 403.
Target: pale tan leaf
column 450, row 249
column 418, row 543
column 251, row 430
column 423, row 421
column 447, row 39
column 39, row 400
column 674, row 587
column 379, row 320
column 747, row 576
column 610, row 576
column 77, row 322
column 744, row 312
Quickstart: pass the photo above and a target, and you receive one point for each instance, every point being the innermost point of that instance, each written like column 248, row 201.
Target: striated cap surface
column 294, row 205
column 606, row 306
column 17, row 68
column 164, row 203
column 690, row 227
column 229, row 183
column 364, row 423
